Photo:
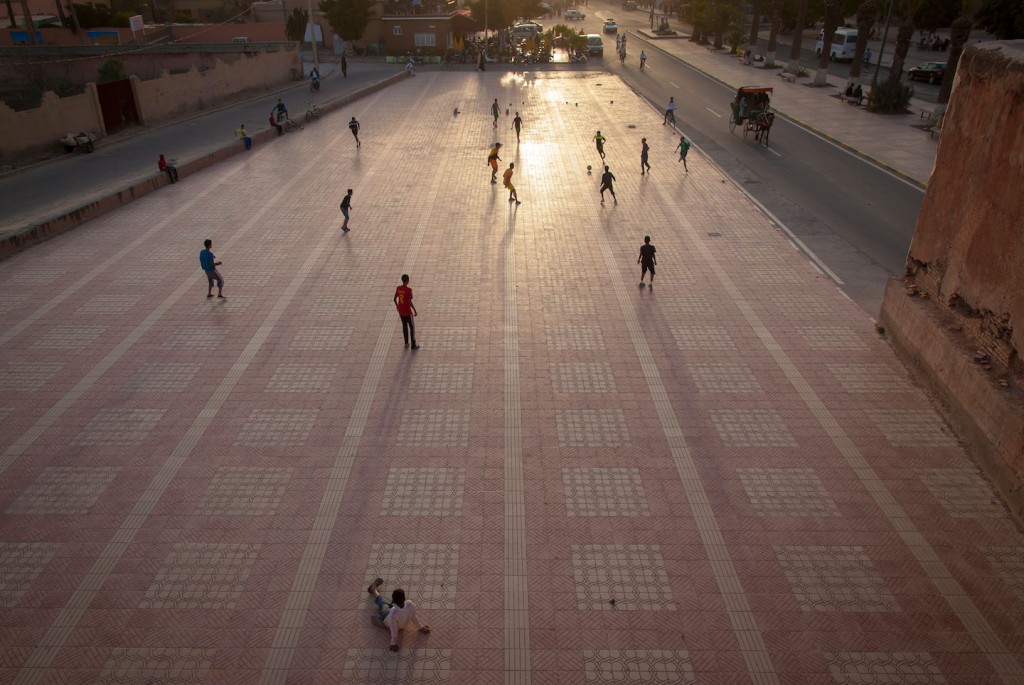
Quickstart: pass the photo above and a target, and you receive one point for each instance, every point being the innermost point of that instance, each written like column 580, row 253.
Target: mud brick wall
column 968, row 246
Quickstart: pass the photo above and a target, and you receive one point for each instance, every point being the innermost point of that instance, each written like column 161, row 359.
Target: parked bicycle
column 312, row 111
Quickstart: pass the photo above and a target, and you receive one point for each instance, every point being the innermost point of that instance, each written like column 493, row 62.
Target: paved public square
column 728, row 478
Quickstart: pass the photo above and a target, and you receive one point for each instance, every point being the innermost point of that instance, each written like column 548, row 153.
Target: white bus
column 844, row 44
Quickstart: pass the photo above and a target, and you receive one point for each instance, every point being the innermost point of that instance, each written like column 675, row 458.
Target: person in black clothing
column 346, row 205
column 354, row 127
column 607, row 178
column 517, row 124
column 647, row 261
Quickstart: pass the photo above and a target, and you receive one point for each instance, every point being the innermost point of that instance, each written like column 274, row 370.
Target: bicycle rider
column 643, row 59
column 670, row 111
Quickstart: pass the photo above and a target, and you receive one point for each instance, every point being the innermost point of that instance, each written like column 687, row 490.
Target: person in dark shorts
column 607, row 181
column 599, row 141
column 644, row 151
column 493, row 159
column 346, row 205
column 683, row 147
column 406, row 311
column 495, row 111
column 517, row 124
column 209, row 264
column 507, row 178
column 354, row 127
column 647, row 261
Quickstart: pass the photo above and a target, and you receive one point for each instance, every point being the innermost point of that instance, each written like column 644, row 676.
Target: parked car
column 528, row 29
column 629, row 5
column 932, row 72
column 595, row 46
column 610, row 26
column 574, row 14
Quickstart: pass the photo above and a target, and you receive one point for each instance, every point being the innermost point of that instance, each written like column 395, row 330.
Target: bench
column 786, row 76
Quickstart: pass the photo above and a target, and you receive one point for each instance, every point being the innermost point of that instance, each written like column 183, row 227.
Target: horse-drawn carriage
column 751, row 110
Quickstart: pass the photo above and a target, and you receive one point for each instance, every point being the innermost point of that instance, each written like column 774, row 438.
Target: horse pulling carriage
column 751, row 110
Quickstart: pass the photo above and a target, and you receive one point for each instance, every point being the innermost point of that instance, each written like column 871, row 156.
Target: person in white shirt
column 670, row 111
column 396, row 615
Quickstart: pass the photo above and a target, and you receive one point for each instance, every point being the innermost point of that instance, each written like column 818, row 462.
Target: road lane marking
column 713, row 112
column 773, row 152
column 672, row 84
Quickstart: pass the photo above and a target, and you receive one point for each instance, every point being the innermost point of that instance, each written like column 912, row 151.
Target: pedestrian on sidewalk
column 344, row 66
column 517, row 124
column 243, row 136
column 512, row 196
column 683, row 147
column 276, row 124
column 406, row 311
column 495, row 111
column 493, row 159
column 607, row 179
column 397, row 614
column 168, row 168
column 670, row 111
column 643, row 59
column 346, row 205
column 599, row 141
column 647, row 261
column 644, row 150
column 354, row 127
column 208, row 262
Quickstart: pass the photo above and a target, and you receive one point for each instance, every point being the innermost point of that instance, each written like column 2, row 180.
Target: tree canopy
column 1002, row 18
column 348, row 18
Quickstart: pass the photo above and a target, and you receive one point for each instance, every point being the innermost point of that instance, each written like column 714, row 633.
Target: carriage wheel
column 732, row 123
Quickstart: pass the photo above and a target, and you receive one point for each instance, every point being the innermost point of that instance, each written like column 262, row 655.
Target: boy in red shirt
column 406, row 311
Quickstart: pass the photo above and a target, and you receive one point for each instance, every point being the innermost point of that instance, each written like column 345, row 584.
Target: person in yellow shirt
column 493, row 159
column 512, row 196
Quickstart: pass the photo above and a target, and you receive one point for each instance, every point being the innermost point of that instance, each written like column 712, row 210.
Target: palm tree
column 755, row 23
column 798, row 33
column 959, row 33
column 833, row 13
column 866, row 14
column 773, row 35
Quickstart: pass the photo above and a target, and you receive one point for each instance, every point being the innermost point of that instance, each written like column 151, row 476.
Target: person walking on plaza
column 647, row 261
column 243, row 136
column 397, row 614
column 406, row 311
column 599, row 141
column 607, row 181
column 346, row 205
column 493, row 159
column 354, row 127
column 670, row 111
column 344, row 66
column 168, row 168
column 517, row 124
column 683, row 147
column 644, row 151
column 495, row 112
column 507, row 178
column 209, row 264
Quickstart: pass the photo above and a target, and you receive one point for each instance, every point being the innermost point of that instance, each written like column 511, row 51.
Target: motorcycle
column 314, row 85
column 81, row 141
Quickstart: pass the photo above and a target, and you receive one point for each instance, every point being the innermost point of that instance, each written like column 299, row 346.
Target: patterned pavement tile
column 302, row 378
column 575, row 338
column 20, row 565
column 588, row 378
column 64, row 490
column 787, row 492
column 424, row 492
column 108, row 304
column 70, row 337
column 604, row 492
column 1009, row 562
column 427, row 572
column 163, row 377
column 637, row 666
column 724, row 377
column 962, row 493
column 878, row 668
column 414, row 667
column 202, row 575
column 178, row 665
column 244, row 491
column 119, row 427
column 591, row 428
column 27, row 376
column 831, row 338
column 452, row 338
column 872, row 378
column 442, row 378
column 434, row 428
column 277, row 427
column 838, row 578
column 752, row 428
column 327, row 338
column 702, row 338
column 196, row 337
column 633, row 576
column 911, row 427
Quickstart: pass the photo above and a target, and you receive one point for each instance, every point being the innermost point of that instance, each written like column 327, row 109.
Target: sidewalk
column 725, row 478
column 56, row 187
column 891, row 141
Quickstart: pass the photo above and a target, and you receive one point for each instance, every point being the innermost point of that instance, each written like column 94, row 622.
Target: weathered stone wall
column 37, row 130
column 957, row 319
column 173, row 95
column 968, row 247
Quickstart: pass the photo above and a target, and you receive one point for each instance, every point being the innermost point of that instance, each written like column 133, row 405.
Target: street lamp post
column 881, row 51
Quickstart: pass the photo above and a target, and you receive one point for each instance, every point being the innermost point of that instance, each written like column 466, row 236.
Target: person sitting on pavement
column 858, row 95
column 275, row 123
column 848, row 93
column 243, row 136
column 168, row 168
column 396, row 614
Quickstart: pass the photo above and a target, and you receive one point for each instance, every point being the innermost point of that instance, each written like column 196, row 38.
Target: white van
column 844, row 44
column 595, row 46
column 528, row 29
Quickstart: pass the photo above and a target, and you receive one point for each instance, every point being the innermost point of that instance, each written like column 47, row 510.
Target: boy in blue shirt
column 209, row 264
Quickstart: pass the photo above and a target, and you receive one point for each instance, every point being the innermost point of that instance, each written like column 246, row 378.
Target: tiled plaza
column 728, row 478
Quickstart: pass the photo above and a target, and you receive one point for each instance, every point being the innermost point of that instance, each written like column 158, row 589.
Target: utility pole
column 486, row 5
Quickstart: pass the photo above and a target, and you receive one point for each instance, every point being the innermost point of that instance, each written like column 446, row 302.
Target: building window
column 396, row 30
column 426, row 40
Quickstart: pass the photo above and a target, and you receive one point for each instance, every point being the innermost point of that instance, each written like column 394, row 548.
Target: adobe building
column 957, row 317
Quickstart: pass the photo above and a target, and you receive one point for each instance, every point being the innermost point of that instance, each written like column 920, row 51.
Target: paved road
column 856, row 218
